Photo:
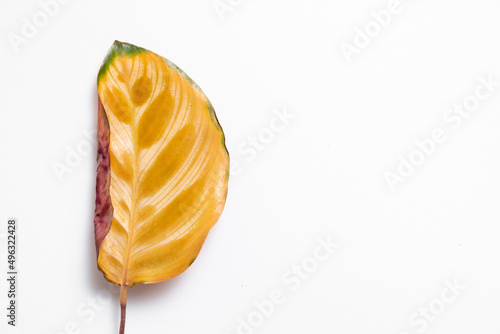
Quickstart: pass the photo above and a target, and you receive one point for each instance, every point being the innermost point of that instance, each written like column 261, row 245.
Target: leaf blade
column 169, row 167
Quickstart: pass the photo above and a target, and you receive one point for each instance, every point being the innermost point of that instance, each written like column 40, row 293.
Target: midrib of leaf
column 135, row 176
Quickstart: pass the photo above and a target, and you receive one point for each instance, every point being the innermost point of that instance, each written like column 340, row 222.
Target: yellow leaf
column 163, row 168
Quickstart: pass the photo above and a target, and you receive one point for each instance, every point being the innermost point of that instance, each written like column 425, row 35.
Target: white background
column 321, row 175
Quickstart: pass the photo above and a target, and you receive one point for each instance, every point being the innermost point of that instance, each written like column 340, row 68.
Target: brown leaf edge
column 103, row 208
column 103, row 214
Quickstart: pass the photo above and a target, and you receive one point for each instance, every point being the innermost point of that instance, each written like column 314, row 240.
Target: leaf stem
column 123, row 306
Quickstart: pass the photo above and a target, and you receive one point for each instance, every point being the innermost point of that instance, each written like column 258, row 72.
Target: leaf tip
column 118, row 48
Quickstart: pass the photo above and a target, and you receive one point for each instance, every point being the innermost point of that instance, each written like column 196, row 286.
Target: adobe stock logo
column 453, row 119
column 252, row 145
column 75, row 155
column 31, row 26
column 87, row 311
column 293, row 278
column 225, row 6
column 374, row 27
column 420, row 320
